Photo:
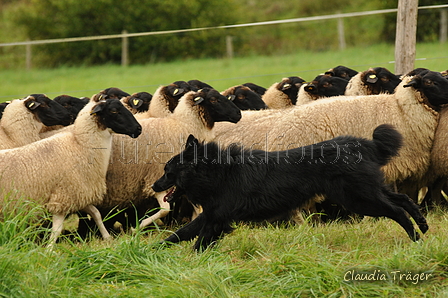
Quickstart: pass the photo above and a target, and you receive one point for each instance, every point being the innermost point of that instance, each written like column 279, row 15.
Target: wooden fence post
column 443, row 25
column 124, row 49
column 341, row 34
column 28, row 57
column 229, row 46
column 405, row 38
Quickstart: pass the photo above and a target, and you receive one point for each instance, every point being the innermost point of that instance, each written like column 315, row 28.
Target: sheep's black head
column 197, row 85
column 342, row 72
column 433, row 85
column 173, row 92
column 47, row 111
column 218, row 107
column 138, row 101
column 112, row 114
column 246, row 99
column 114, row 92
column 380, row 80
column 72, row 104
column 256, row 88
column 327, row 86
column 290, row 86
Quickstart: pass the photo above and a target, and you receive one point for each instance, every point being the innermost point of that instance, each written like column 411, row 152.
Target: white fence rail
column 124, row 35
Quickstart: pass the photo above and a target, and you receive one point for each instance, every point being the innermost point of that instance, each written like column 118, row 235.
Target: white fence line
column 295, row 20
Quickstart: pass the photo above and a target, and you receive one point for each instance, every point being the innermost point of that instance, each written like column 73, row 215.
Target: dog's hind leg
column 407, row 204
column 374, row 203
column 189, row 231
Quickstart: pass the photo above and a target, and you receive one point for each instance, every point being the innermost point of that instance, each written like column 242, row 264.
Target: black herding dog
column 233, row 184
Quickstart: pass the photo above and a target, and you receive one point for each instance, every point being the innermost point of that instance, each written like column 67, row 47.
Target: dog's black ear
column 191, row 141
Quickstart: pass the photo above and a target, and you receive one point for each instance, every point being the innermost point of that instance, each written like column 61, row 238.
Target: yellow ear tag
column 372, row 76
column 31, row 104
column 135, row 102
column 101, row 97
column 175, row 92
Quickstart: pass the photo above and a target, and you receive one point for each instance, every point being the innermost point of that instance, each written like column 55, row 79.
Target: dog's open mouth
column 170, row 195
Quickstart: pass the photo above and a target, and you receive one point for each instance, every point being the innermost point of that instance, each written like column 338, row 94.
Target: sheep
column 73, row 104
column 137, row 102
column 326, row 86
column 283, row 94
column 342, row 72
column 197, row 85
column 244, row 98
column 114, row 92
column 412, row 109
column 256, row 88
column 165, row 99
column 372, row 81
column 23, row 119
column 135, row 165
column 76, row 179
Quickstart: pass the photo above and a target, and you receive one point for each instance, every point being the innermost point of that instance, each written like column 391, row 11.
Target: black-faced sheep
column 372, row 81
column 256, row 88
column 197, row 85
column 137, row 102
column 114, row 92
column 411, row 109
column 23, row 120
column 76, row 179
column 283, row 94
column 244, row 98
column 73, row 104
column 326, row 86
column 136, row 164
column 342, row 72
column 165, row 100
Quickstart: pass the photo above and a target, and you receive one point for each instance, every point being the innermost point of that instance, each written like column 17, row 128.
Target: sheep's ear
column 413, row 83
column 136, row 103
column 191, row 141
column 286, row 86
column 231, row 97
column 32, row 104
column 177, row 91
column 98, row 108
column 372, row 78
column 197, row 100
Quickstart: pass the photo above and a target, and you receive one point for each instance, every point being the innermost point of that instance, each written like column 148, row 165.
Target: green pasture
column 220, row 73
column 322, row 260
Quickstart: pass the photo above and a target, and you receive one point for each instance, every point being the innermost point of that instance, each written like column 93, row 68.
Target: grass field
column 221, row 74
column 254, row 260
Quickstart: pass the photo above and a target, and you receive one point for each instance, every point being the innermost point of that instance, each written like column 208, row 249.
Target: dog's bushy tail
column 388, row 142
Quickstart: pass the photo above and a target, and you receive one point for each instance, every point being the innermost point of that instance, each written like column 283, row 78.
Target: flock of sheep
column 101, row 155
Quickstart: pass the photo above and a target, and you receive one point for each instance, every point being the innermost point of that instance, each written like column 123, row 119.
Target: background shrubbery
column 48, row 19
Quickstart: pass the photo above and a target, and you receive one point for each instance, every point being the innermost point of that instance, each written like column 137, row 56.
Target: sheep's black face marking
column 112, row 114
column 48, row 111
column 113, row 92
column 342, row 72
column 433, row 85
column 197, row 85
column 381, row 80
column 290, row 86
column 256, row 88
column 139, row 101
column 327, row 86
column 246, row 99
column 219, row 107
column 173, row 92
column 72, row 104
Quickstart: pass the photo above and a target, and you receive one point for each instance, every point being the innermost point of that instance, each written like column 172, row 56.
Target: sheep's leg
column 96, row 215
column 164, row 210
column 56, row 229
